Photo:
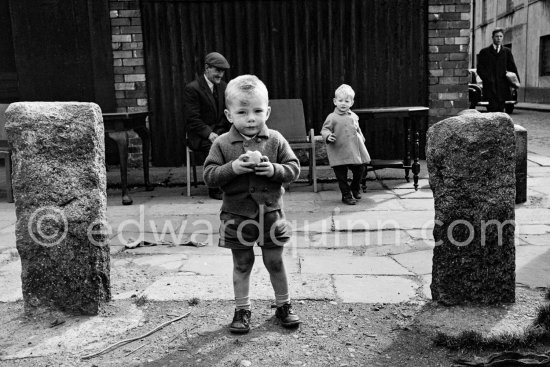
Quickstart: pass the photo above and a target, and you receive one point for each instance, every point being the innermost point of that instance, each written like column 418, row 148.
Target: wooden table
column 117, row 126
column 410, row 116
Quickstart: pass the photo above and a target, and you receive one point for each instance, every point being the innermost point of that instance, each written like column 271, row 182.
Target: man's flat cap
column 217, row 60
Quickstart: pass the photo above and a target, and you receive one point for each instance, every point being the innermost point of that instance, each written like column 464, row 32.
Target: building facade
column 526, row 25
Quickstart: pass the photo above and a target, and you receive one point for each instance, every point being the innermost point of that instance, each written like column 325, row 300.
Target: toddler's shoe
column 356, row 194
column 286, row 316
column 241, row 322
column 348, row 199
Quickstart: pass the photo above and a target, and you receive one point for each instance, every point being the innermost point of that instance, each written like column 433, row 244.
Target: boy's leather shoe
column 356, row 194
column 287, row 317
column 241, row 322
column 348, row 199
column 215, row 194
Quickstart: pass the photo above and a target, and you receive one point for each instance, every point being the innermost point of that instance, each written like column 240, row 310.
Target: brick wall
column 448, row 40
column 129, row 66
column 448, row 55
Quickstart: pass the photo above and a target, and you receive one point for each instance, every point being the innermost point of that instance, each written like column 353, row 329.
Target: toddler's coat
column 349, row 147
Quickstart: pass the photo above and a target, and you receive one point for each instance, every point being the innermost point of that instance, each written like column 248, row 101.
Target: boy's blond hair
column 244, row 86
column 344, row 91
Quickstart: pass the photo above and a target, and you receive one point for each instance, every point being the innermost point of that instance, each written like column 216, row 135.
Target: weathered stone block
column 471, row 163
column 59, row 182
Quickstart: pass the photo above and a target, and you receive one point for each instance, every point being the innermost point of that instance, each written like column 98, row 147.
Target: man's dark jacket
column 201, row 114
column 492, row 68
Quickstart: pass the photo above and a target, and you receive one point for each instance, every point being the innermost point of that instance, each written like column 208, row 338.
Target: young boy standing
column 345, row 144
column 252, row 208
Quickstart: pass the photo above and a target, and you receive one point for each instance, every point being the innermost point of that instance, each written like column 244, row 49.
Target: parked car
column 475, row 93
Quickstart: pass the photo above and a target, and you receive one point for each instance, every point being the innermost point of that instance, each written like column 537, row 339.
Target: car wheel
column 509, row 109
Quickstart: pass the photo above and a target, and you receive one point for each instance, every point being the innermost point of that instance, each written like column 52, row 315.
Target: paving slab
column 181, row 208
column 536, row 239
column 533, row 266
column 7, row 239
column 10, row 278
column 532, row 216
column 528, row 229
column 411, row 194
column 377, row 200
column 182, row 287
column 223, row 265
column 396, row 249
column 539, row 159
column 320, row 221
column 537, row 171
column 374, row 289
column 173, row 262
column 378, row 220
column 416, row 204
column 341, row 264
column 423, row 183
column 352, row 239
column 419, row 262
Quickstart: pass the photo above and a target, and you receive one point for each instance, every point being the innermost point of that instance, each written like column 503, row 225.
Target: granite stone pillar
column 471, row 163
column 59, row 183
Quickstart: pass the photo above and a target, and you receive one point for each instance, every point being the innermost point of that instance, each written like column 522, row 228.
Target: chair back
column 3, row 118
column 287, row 117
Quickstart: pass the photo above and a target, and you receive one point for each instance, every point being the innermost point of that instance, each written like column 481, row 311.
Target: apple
column 253, row 156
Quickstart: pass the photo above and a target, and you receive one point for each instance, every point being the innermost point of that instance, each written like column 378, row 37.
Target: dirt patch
column 333, row 334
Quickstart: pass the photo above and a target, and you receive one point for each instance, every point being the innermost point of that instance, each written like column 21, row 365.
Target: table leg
column 143, row 133
column 416, row 165
column 121, row 140
column 407, row 159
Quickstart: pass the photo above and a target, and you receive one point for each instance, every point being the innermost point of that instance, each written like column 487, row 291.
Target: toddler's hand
column 331, row 138
column 265, row 168
column 241, row 166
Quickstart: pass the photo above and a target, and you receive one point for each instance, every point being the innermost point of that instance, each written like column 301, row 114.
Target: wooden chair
column 287, row 117
column 190, row 162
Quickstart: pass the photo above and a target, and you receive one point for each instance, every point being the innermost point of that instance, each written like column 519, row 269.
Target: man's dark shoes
column 286, row 316
column 215, row 194
column 241, row 322
column 348, row 199
column 356, row 194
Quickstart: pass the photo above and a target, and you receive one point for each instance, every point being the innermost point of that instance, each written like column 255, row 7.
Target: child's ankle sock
column 281, row 299
column 243, row 303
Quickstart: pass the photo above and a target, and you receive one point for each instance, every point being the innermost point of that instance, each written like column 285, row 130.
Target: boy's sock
column 243, row 303
column 281, row 299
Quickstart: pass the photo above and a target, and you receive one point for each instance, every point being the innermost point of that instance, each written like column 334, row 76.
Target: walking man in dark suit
column 492, row 64
column 204, row 100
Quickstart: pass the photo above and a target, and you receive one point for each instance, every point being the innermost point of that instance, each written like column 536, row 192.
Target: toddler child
column 252, row 208
column 345, row 144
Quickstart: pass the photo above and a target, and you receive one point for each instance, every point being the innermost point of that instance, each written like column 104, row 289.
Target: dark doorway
column 300, row 48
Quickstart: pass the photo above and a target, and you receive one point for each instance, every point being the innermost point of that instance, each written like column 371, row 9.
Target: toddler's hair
column 344, row 91
column 244, row 86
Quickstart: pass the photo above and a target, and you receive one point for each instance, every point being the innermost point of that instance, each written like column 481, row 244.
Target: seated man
column 204, row 100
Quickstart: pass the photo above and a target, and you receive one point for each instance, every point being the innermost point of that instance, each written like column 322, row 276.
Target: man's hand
column 265, row 168
column 241, row 167
column 212, row 136
column 331, row 138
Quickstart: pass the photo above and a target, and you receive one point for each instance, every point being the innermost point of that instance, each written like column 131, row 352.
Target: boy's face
column 343, row 103
column 248, row 114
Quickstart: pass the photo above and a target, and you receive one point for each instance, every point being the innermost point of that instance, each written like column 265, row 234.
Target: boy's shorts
column 241, row 233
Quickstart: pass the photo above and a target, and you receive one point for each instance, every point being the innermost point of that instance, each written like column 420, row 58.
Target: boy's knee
column 244, row 266
column 274, row 265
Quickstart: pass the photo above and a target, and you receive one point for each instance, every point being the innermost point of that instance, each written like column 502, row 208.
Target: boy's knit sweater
column 244, row 194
